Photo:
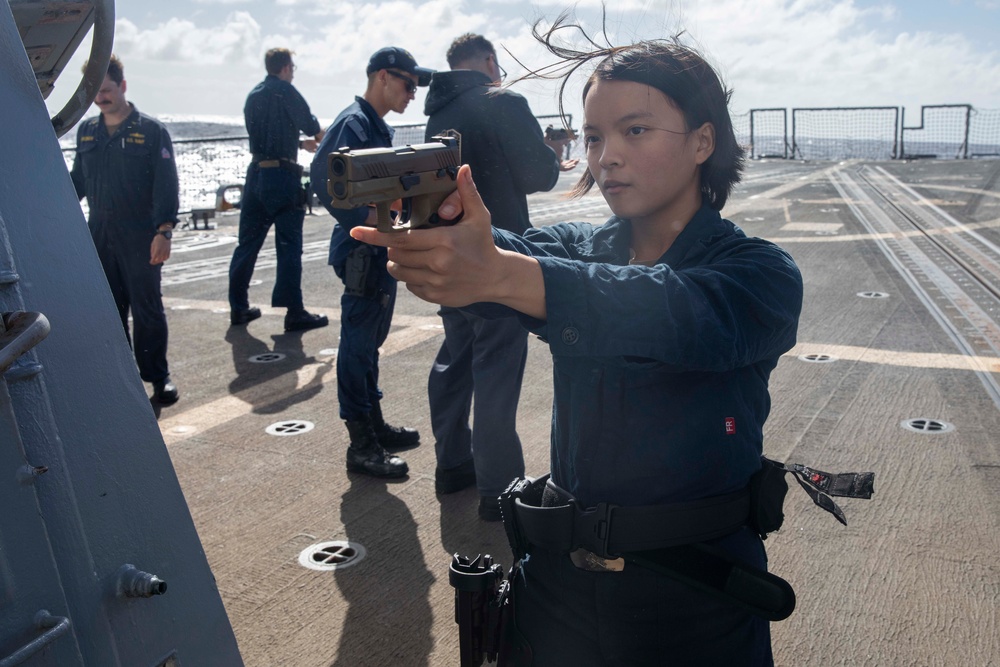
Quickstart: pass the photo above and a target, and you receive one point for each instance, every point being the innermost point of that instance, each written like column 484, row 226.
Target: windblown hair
column 676, row 70
column 276, row 59
column 468, row 47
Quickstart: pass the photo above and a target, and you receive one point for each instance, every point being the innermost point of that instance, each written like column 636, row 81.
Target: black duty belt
column 670, row 539
column 608, row 530
column 667, row 539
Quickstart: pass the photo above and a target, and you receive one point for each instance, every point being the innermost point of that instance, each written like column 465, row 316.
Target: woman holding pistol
column 664, row 324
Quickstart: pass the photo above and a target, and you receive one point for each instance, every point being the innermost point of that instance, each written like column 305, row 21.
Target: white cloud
column 822, row 53
column 332, row 61
column 236, row 40
column 772, row 52
column 425, row 29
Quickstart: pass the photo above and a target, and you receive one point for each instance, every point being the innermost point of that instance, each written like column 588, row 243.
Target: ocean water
column 183, row 128
column 212, row 151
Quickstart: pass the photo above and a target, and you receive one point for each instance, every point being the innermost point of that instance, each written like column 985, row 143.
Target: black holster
column 767, row 497
column 484, row 612
column 358, row 274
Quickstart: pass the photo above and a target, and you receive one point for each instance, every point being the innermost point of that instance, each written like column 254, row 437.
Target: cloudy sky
column 201, row 57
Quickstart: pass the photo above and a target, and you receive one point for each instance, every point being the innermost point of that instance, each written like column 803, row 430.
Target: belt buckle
column 592, row 528
column 591, row 562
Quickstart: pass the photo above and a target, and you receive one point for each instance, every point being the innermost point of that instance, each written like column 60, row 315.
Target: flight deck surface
column 896, row 370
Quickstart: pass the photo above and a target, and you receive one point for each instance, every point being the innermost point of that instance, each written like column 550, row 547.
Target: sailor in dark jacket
column 125, row 168
column 503, row 143
column 275, row 113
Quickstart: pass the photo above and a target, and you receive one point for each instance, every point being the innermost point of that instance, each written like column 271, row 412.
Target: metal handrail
column 21, row 331
column 54, row 626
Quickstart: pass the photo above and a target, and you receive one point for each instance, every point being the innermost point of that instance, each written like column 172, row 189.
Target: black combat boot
column 365, row 455
column 392, row 438
column 165, row 391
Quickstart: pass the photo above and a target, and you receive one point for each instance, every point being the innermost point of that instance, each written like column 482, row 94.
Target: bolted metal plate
column 818, row 358
column 289, row 427
column 332, row 555
column 266, row 358
column 873, row 295
column 926, row 425
column 328, row 352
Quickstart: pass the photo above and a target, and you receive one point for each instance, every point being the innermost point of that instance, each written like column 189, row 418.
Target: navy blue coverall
column 275, row 113
column 130, row 182
column 660, row 396
column 365, row 318
column 503, row 144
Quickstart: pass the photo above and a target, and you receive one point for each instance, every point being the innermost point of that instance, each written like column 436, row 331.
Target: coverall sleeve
column 298, row 109
column 165, row 185
column 740, row 306
column 540, row 246
column 534, row 166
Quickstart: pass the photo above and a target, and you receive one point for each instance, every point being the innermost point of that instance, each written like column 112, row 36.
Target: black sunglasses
column 410, row 86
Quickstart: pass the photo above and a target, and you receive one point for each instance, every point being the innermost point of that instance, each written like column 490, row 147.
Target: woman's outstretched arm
column 458, row 265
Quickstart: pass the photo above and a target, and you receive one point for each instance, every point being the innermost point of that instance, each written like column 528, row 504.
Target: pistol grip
column 423, row 212
column 384, row 217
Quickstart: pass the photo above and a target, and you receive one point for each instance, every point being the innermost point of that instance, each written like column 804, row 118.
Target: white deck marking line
column 974, row 245
column 967, row 250
column 732, row 208
column 955, row 188
column 176, row 273
column 811, row 227
column 916, row 268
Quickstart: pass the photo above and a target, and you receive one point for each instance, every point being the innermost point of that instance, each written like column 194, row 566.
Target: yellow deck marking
column 870, row 355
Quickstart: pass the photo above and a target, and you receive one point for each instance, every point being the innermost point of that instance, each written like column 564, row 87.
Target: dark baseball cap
column 393, row 57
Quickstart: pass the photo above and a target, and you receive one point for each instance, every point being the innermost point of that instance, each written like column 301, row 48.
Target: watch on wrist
column 168, row 233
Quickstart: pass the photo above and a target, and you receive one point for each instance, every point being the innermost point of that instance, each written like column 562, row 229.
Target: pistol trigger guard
column 384, row 216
